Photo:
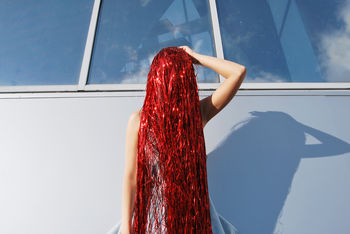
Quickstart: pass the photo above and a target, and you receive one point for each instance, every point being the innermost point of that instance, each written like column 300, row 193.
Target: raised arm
column 129, row 179
column 234, row 74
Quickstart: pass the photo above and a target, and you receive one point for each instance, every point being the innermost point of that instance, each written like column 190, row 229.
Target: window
column 109, row 44
column 288, row 40
column 42, row 42
column 130, row 33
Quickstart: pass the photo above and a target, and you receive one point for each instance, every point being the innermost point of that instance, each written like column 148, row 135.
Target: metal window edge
column 84, row 70
column 134, row 90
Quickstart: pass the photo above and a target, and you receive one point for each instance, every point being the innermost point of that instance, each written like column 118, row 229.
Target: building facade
column 72, row 72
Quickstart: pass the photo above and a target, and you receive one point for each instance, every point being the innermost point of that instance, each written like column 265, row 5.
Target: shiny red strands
column 172, row 189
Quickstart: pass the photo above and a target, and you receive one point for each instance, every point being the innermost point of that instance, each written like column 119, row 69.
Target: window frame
column 84, row 70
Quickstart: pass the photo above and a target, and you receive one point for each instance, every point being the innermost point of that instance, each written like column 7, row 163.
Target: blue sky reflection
column 42, row 42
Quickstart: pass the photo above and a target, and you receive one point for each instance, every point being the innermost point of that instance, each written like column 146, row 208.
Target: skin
column 234, row 75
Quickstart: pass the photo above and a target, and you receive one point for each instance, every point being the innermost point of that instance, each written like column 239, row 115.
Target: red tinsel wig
column 172, row 190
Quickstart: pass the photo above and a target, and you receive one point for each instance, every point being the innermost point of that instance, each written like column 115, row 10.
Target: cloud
column 335, row 49
column 136, row 78
column 266, row 77
column 131, row 53
column 140, row 76
column 144, row 3
column 197, row 45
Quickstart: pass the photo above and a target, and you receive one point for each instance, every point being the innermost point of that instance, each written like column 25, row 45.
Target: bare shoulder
column 135, row 116
column 134, row 121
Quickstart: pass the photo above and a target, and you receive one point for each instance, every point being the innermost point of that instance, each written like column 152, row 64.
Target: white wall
column 275, row 162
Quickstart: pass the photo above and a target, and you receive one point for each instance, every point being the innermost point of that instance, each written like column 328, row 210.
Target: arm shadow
column 250, row 172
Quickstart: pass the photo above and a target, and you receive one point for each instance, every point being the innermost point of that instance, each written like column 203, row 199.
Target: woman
column 165, row 182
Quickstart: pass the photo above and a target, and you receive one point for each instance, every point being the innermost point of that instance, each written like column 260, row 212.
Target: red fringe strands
column 172, row 189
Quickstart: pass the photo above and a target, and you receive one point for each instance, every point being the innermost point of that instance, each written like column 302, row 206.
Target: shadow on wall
column 252, row 169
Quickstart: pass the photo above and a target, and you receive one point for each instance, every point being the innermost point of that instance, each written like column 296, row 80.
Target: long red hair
column 172, row 189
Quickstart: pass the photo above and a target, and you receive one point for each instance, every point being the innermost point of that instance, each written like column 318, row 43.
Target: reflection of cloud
column 114, row 45
column 131, row 53
column 136, row 78
column 141, row 75
column 197, row 45
column 243, row 38
column 150, row 58
column 267, row 77
column 335, row 48
column 144, row 2
column 101, row 76
column 176, row 32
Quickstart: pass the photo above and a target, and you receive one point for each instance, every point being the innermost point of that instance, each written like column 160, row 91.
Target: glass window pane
column 42, row 42
column 288, row 40
column 130, row 33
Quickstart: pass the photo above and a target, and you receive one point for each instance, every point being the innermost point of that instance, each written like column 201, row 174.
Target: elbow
column 130, row 178
column 243, row 72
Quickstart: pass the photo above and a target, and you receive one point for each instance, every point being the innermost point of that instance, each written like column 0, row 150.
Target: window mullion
column 216, row 31
column 89, row 46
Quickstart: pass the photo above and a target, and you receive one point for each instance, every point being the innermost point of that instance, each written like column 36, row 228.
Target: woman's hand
column 191, row 53
column 187, row 49
column 234, row 74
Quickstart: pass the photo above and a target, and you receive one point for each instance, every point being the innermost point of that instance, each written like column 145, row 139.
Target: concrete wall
column 278, row 162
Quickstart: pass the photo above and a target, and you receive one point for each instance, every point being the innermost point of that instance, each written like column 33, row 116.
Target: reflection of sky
column 284, row 40
column 130, row 33
column 42, row 42
column 335, row 47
